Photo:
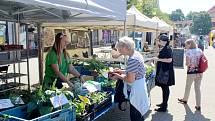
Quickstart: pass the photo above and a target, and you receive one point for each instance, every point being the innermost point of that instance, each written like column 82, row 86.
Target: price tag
column 59, row 100
column 19, row 100
column 5, row 103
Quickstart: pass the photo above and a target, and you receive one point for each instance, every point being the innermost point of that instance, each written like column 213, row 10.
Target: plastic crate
column 82, row 70
column 20, row 113
column 86, row 117
column 79, row 68
column 108, row 89
column 150, row 84
column 98, row 108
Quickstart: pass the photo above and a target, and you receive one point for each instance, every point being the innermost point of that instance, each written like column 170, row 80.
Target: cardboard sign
column 92, row 86
column 59, row 100
column 5, row 103
column 178, row 57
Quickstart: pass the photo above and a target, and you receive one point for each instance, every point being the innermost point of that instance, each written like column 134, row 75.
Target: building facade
column 212, row 14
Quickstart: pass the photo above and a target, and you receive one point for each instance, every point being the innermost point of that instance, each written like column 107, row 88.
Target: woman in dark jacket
column 165, row 72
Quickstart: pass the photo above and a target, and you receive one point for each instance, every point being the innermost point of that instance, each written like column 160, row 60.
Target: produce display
column 150, row 77
column 41, row 104
column 97, row 97
column 150, row 72
column 91, row 65
column 87, row 104
column 17, row 96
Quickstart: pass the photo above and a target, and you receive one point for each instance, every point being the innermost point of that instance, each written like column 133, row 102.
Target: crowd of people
column 133, row 75
column 58, row 67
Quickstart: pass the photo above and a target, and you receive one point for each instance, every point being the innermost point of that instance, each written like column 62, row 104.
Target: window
column 74, row 37
column 22, row 36
column 2, row 34
column 95, row 37
column 149, row 38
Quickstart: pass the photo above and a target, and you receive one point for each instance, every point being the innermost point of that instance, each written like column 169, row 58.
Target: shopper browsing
column 134, row 79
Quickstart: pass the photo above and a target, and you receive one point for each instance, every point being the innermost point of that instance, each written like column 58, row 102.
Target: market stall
column 56, row 104
column 163, row 26
column 134, row 20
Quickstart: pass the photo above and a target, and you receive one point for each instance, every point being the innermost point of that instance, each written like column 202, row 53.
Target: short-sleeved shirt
column 51, row 58
column 136, row 65
column 194, row 55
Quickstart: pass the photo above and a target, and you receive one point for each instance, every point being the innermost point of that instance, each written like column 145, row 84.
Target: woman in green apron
column 57, row 65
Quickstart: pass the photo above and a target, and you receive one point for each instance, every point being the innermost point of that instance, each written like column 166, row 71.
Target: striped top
column 136, row 65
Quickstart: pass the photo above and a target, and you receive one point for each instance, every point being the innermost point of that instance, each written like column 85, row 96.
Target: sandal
column 182, row 101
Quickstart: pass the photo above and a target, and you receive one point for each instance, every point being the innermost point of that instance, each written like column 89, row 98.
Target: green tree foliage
column 136, row 3
column 177, row 15
column 201, row 23
column 149, row 8
column 190, row 15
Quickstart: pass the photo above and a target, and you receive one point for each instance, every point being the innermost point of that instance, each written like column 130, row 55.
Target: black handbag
column 119, row 96
column 163, row 76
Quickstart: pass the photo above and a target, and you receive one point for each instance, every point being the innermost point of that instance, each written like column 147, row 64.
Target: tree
column 202, row 23
column 177, row 15
column 149, row 8
column 136, row 3
column 190, row 15
column 164, row 16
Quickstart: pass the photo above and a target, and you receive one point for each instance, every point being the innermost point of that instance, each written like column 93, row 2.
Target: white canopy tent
column 63, row 10
column 135, row 20
column 162, row 25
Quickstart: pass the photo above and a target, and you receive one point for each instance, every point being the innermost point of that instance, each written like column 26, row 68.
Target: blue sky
column 186, row 5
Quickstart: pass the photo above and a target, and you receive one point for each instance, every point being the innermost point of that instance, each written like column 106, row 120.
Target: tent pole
column 134, row 27
column 28, row 49
column 91, row 41
column 156, row 35
column 124, row 31
column 40, row 52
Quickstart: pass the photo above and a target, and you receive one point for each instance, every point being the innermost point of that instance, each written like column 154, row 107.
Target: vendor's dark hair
column 164, row 37
column 56, row 47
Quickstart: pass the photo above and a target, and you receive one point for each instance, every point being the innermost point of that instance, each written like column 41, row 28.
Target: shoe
column 198, row 108
column 160, row 105
column 182, row 101
column 161, row 109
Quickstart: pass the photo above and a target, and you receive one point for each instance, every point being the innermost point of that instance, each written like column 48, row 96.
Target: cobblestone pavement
column 177, row 111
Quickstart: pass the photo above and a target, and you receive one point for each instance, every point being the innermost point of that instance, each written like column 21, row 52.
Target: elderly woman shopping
column 134, row 79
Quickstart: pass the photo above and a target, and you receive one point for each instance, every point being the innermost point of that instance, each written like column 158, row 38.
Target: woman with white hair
column 134, row 79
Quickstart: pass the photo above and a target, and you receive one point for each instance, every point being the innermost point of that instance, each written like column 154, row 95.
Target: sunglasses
column 62, row 35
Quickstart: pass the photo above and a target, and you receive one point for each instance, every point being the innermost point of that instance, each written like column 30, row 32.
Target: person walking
column 193, row 55
column 165, row 73
column 134, row 79
column 201, row 43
